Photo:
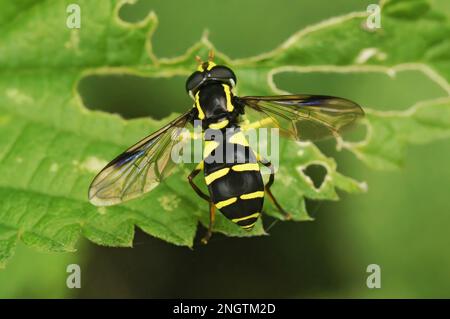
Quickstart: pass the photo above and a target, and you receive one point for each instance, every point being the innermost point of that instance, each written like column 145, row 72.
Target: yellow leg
column 254, row 125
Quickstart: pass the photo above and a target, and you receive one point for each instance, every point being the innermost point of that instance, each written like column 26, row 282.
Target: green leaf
column 389, row 132
column 51, row 146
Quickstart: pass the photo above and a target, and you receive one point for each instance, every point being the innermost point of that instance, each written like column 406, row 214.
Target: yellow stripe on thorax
column 255, row 215
column 217, row 174
column 201, row 114
column 226, row 89
column 246, row 167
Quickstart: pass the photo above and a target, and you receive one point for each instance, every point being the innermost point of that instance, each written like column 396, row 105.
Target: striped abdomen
column 234, row 181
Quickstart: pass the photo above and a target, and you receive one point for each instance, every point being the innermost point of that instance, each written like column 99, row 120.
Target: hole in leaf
column 132, row 96
column 375, row 90
column 135, row 12
column 316, row 173
column 234, row 29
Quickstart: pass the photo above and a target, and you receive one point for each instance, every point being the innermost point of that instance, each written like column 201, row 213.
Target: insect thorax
column 214, row 103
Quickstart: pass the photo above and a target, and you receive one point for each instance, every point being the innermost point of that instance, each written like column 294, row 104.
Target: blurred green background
column 401, row 224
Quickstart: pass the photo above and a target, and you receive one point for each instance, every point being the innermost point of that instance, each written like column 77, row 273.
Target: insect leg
column 212, row 207
column 272, row 198
column 191, row 177
column 255, row 125
column 212, row 217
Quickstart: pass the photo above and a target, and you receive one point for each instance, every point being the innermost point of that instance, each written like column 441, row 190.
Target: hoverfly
column 236, row 188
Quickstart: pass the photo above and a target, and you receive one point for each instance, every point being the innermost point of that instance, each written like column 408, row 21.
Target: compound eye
column 223, row 73
column 194, row 81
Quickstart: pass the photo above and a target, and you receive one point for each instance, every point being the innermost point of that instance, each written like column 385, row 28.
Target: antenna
column 198, row 59
column 211, row 55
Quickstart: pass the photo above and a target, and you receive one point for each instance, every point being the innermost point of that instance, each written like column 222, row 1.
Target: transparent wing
column 303, row 117
column 140, row 168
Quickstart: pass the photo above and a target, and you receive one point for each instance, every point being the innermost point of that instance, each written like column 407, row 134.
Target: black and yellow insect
column 235, row 186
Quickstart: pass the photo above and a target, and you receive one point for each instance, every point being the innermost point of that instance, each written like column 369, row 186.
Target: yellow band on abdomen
column 239, row 138
column 246, row 167
column 217, row 174
column 253, row 195
column 249, row 226
column 255, row 215
column 226, row 202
